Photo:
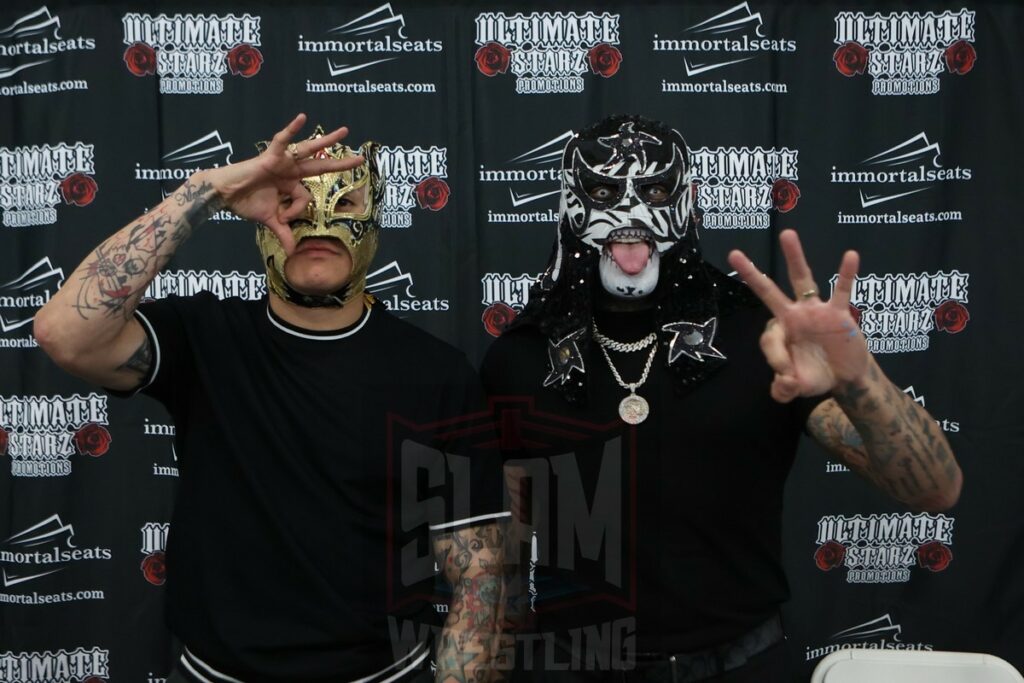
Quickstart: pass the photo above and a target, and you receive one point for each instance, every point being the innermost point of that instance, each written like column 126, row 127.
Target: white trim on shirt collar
column 319, row 337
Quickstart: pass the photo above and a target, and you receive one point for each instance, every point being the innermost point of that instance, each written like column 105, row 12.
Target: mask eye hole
column 654, row 194
column 658, row 190
column 603, row 192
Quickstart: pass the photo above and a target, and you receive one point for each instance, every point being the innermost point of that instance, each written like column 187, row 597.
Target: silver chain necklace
column 633, row 409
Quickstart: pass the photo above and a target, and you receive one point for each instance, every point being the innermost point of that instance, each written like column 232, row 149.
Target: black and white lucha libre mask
column 626, row 193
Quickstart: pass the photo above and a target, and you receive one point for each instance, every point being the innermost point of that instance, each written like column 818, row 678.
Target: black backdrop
column 892, row 128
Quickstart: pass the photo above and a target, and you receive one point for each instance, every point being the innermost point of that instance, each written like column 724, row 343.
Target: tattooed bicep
column 140, row 361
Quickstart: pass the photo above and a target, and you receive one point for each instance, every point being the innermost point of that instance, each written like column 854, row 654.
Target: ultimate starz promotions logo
column 897, row 311
column 394, row 289
column 505, row 296
column 877, row 634
column 33, row 40
column 21, row 297
column 738, row 186
column 191, row 53
column 41, row 433
column 904, row 52
column 538, row 166
column 412, row 177
column 731, row 37
column 250, row 286
column 884, row 548
column 35, row 179
column 903, row 170
column 154, row 543
column 549, row 52
column 376, row 37
column 61, row 666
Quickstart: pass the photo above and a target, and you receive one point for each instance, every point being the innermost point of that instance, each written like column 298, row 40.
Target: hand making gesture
column 811, row 344
column 268, row 188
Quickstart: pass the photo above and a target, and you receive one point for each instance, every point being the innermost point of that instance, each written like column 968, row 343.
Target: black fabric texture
column 701, row 484
column 298, row 518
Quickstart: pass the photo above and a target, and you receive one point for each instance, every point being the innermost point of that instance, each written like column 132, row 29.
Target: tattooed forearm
column 884, row 435
column 471, row 560
column 113, row 279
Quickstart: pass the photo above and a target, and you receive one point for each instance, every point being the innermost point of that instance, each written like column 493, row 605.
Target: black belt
column 697, row 666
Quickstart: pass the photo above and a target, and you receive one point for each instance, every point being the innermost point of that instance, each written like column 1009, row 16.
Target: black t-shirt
column 697, row 560
column 298, row 547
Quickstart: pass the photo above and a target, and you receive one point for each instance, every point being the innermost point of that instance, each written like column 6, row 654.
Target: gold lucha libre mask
column 357, row 231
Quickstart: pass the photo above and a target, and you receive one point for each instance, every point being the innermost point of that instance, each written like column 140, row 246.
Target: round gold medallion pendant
column 633, row 409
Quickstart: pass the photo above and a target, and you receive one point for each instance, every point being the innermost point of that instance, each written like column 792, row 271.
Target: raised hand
column 268, row 188
column 811, row 344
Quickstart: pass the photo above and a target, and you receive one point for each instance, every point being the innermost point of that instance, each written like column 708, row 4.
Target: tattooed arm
column 471, row 560
column 88, row 327
column 887, row 437
column 815, row 347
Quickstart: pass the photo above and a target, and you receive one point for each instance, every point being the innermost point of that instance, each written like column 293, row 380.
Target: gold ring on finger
column 809, row 294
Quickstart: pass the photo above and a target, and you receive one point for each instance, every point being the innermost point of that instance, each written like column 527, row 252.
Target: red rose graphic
column 432, row 193
column 140, row 58
column 497, row 317
column 785, row 193
column 244, row 60
column 855, row 312
column 92, row 439
column 851, row 58
column 934, row 556
column 829, row 555
column 951, row 316
column 493, row 58
column 78, row 189
column 3, row 441
column 960, row 57
column 154, row 568
column 604, row 59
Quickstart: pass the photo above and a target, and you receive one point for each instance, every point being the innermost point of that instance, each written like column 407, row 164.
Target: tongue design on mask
column 630, row 257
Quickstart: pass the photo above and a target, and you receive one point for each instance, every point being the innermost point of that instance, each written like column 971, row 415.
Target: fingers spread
column 280, row 140
column 844, row 283
column 766, row 290
column 311, row 167
column 308, row 148
column 800, row 275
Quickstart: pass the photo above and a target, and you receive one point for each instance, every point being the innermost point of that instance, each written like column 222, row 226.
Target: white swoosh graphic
column 866, row 201
column 527, row 198
column 345, row 68
column 701, row 68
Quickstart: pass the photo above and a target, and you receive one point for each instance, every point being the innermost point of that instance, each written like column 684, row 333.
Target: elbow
column 47, row 333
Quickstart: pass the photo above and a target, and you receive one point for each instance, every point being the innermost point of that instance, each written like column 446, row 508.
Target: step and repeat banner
column 893, row 128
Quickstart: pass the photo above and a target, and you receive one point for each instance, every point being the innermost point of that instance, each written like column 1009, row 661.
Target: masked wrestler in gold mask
column 340, row 221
